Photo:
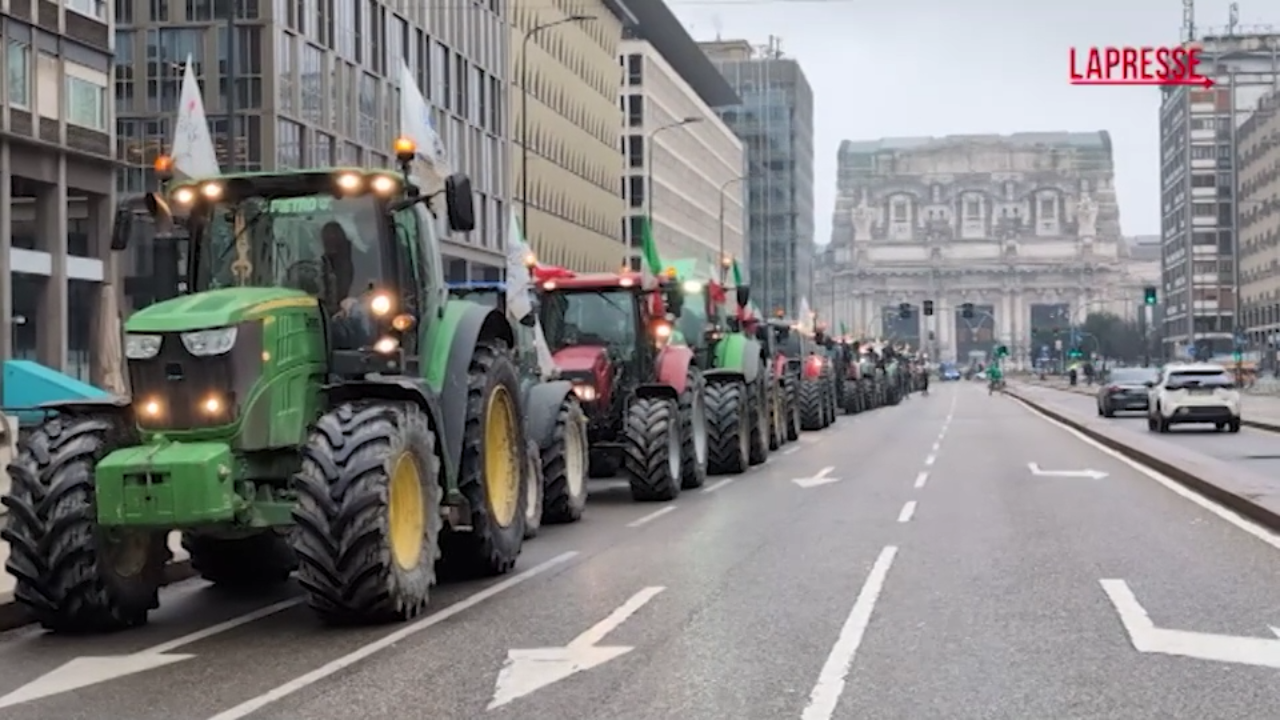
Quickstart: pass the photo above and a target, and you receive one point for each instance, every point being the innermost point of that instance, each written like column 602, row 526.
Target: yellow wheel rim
column 501, row 458
column 406, row 511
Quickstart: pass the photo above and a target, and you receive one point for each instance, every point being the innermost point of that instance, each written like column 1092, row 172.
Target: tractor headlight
column 142, row 347
column 204, row 343
column 585, row 393
column 692, row 287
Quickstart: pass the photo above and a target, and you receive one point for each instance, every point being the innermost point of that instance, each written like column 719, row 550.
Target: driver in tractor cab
column 351, row 326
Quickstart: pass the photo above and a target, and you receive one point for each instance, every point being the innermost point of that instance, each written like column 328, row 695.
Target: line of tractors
column 301, row 407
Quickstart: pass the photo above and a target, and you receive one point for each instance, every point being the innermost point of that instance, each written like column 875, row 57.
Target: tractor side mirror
column 744, row 295
column 122, row 229
column 460, row 203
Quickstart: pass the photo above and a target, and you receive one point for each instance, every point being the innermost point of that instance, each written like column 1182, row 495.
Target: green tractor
column 314, row 400
column 554, row 420
column 745, row 401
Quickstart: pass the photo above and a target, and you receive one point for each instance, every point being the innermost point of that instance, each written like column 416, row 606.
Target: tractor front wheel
column 651, row 456
column 534, row 491
column 812, row 404
column 73, row 575
column 564, row 466
column 693, row 432
column 759, row 450
column 791, row 399
column 368, row 513
column 728, row 440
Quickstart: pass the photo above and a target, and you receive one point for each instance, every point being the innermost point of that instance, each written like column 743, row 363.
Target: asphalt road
column 1259, row 450
column 935, row 577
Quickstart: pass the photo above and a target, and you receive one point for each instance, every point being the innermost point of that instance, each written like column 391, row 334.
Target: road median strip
column 1241, row 491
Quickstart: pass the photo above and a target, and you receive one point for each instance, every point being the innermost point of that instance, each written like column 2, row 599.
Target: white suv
column 1193, row 393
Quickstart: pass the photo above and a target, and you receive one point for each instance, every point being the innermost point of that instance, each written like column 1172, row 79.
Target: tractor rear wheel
column 777, row 430
column 368, row 513
column 73, row 575
column 812, row 408
column 728, row 441
column 759, row 448
column 791, row 400
column 651, row 453
column 693, row 432
column 533, row 491
column 491, row 474
column 244, row 563
column 564, row 466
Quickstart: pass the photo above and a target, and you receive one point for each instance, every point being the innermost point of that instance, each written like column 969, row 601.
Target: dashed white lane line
column 907, row 511
column 937, row 444
column 921, row 478
column 931, row 459
column 790, row 450
column 651, row 517
column 835, row 671
column 718, row 484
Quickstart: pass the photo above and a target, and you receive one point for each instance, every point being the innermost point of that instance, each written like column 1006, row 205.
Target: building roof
column 656, row 24
column 1100, row 140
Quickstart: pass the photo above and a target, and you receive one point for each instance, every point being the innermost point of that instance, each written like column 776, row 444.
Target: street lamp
column 724, row 257
column 524, row 112
column 653, row 134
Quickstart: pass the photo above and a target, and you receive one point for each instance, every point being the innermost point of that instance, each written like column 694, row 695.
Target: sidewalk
column 1251, row 494
column 1259, row 411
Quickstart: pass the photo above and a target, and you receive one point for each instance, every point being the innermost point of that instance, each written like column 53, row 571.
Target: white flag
column 193, row 153
column 418, row 124
column 806, row 316
column 519, row 284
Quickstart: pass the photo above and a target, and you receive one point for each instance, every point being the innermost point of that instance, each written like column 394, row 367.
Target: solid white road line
column 718, row 484
column 831, row 680
column 323, row 672
column 921, row 478
column 907, row 511
column 651, row 517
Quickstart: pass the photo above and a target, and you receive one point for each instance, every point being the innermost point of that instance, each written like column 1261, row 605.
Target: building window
column 1048, row 208
column 1204, row 209
column 93, row 8
column 899, row 211
column 635, row 151
column 973, row 209
column 86, row 103
column 19, row 63
column 635, row 69
column 1203, row 152
column 1203, row 181
column 635, row 110
column 635, row 184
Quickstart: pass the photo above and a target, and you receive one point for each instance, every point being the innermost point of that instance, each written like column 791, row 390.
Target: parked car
column 1194, row 393
column 1126, row 389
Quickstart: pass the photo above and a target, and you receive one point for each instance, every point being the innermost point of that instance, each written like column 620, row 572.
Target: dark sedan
column 1125, row 389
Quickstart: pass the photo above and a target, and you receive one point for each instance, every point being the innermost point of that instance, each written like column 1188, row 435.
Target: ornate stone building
column 1024, row 226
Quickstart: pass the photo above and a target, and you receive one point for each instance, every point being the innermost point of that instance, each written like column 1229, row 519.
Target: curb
column 13, row 614
column 1230, row 500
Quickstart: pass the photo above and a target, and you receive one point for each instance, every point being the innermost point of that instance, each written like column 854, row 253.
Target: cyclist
column 995, row 377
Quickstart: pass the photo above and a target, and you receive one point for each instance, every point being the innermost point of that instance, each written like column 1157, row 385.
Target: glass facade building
column 775, row 123
column 314, row 83
column 56, row 146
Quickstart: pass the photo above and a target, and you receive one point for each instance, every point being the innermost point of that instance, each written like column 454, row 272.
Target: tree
column 1111, row 336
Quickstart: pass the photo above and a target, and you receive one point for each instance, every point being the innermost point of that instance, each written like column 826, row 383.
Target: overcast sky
column 932, row 67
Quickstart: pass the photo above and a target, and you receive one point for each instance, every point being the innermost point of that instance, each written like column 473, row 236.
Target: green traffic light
column 1149, row 295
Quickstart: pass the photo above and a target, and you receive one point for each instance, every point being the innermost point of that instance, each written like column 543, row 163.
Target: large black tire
column 67, row 569
column 244, row 563
column 791, row 396
column 564, row 466
column 759, row 446
column 534, row 491
column 777, row 426
column 353, row 464
column 728, row 441
column 693, row 432
column 813, row 413
column 651, row 453
column 496, row 537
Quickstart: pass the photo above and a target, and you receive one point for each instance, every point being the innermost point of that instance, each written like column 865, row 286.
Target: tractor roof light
column 163, row 166
column 405, row 149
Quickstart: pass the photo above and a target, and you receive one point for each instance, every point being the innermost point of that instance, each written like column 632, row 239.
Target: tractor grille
column 179, row 385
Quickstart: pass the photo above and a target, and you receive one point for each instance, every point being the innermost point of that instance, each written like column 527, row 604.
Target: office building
column 1258, row 153
column 56, row 147
column 684, row 167
column 1198, row 174
column 570, row 88
column 775, row 122
column 316, row 85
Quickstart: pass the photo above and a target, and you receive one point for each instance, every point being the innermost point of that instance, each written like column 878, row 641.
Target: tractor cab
column 352, row 249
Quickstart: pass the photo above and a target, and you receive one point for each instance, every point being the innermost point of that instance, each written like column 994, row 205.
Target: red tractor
column 609, row 334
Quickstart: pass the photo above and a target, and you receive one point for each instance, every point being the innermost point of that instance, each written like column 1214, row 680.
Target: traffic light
column 966, row 311
column 1002, row 351
column 928, row 308
column 1149, row 295
column 904, row 310
column 1074, row 353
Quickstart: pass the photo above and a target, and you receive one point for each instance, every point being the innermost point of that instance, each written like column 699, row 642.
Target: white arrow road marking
column 1147, row 638
column 817, row 480
column 1091, row 474
column 831, row 680
column 527, row 671
column 85, row 671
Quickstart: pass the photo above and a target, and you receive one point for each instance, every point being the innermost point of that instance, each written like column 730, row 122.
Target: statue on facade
column 1086, row 217
column 863, row 218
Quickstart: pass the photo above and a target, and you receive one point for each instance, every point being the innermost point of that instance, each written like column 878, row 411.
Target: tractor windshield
column 692, row 322
column 323, row 245
column 590, row 317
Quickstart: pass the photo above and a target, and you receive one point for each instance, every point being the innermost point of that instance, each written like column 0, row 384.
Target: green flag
column 843, row 330
column 737, row 274
column 649, row 248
